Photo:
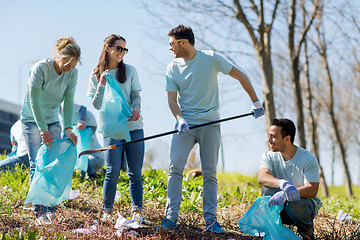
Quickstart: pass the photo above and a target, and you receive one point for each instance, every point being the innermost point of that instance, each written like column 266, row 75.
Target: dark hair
column 183, row 32
column 104, row 61
column 287, row 127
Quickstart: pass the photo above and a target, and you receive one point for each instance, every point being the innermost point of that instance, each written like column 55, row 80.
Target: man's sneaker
column 42, row 220
column 167, row 224
column 51, row 216
column 215, row 228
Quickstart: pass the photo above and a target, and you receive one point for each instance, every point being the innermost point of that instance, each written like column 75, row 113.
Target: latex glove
column 183, row 127
column 277, row 199
column 71, row 135
column 291, row 192
column 81, row 124
column 46, row 138
column 257, row 109
column 135, row 115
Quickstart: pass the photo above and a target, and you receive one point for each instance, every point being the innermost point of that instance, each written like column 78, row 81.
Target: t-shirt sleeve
column 221, row 64
column 171, row 86
column 311, row 170
column 92, row 85
column 72, row 83
column 135, row 82
column 266, row 162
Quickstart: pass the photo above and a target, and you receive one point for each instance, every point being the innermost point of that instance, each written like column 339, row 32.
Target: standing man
column 290, row 175
column 193, row 97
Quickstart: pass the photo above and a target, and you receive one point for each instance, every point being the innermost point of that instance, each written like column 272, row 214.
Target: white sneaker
column 107, row 217
column 51, row 216
column 42, row 220
column 137, row 217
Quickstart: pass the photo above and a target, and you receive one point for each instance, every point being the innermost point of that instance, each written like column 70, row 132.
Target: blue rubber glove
column 291, row 192
column 183, row 127
column 257, row 109
column 277, row 199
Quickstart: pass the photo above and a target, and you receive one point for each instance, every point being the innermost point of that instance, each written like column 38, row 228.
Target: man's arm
column 244, row 81
column 173, row 105
column 309, row 190
column 266, row 178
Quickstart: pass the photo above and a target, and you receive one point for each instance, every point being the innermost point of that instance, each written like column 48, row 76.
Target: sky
column 29, row 30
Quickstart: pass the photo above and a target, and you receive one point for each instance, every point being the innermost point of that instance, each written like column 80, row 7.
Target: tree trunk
column 313, row 126
column 335, row 125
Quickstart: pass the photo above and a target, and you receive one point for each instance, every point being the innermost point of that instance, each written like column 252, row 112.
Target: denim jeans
column 33, row 141
column 134, row 158
column 208, row 139
column 11, row 162
column 300, row 213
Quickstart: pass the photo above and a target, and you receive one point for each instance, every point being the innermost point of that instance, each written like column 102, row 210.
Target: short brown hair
column 183, row 32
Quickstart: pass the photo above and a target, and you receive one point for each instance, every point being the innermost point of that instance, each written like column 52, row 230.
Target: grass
column 236, row 194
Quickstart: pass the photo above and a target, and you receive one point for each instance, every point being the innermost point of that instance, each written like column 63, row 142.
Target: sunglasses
column 175, row 41
column 121, row 49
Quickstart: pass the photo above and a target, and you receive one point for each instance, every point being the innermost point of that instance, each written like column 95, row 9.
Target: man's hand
column 257, row 109
column 46, row 138
column 81, row 124
column 135, row 115
column 290, row 191
column 71, row 135
column 277, row 199
column 183, row 127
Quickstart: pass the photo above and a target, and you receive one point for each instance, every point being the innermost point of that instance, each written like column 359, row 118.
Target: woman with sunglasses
column 111, row 61
column 51, row 82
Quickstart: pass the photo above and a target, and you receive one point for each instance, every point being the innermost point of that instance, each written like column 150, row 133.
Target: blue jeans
column 134, row 158
column 11, row 162
column 300, row 213
column 208, row 139
column 33, row 141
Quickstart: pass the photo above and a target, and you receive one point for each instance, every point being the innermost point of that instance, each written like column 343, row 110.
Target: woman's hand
column 71, row 135
column 103, row 78
column 81, row 125
column 46, row 138
column 135, row 115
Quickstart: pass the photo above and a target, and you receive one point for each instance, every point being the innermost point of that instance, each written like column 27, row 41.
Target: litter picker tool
column 161, row 135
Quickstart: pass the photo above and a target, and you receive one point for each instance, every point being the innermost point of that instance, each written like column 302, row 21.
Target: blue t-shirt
column 196, row 83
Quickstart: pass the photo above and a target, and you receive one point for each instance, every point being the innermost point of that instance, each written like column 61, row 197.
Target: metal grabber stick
column 161, row 134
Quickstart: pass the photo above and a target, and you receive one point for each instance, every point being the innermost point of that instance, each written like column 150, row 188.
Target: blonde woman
column 51, row 82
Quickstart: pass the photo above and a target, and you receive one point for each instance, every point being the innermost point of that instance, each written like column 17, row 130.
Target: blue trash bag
column 262, row 220
column 13, row 151
column 84, row 140
column 51, row 183
column 114, row 111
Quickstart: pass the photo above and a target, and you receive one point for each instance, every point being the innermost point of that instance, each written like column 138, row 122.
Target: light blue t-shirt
column 302, row 168
column 132, row 83
column 196, row 83
column 53, row 87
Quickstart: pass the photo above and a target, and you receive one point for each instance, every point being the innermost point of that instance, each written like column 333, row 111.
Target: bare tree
column 330, row 108
column 295, row 51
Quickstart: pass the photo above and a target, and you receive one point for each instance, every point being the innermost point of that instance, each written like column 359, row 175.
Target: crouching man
column 290, row 175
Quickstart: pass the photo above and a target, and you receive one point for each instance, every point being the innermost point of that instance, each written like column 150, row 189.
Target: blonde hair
column 67, row 47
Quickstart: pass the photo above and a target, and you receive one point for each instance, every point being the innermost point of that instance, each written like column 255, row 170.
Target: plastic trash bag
column 84, row 140
column 262, row 220
column 51, row 183
column 114, row 111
